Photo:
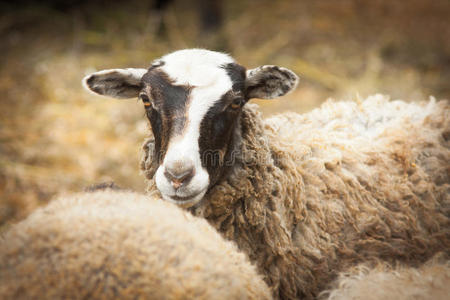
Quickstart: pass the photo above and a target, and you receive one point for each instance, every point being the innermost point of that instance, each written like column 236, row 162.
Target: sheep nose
column 179, row 173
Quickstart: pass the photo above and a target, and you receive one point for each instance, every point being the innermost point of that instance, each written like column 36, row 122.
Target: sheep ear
column 116, row 83
column 268, row 82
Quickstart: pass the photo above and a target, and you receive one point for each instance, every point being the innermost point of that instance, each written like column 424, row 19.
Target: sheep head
column 193, row 99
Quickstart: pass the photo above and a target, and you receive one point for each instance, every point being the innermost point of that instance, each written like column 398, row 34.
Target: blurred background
column 55, row 137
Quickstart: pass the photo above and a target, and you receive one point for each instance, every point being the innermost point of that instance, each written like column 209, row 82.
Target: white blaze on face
column 201, row 70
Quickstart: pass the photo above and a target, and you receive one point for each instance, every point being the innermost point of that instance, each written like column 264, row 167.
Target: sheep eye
column 237, row 103
column 145, row 100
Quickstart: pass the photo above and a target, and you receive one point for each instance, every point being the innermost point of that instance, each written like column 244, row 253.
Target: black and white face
column 193, row 99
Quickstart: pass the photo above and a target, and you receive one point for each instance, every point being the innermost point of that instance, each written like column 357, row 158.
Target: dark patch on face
column 237, row 76
column 219, row 124
column 167, row 112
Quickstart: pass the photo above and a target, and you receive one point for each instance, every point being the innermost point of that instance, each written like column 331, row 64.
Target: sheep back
column 121, row 245
column 429, row 282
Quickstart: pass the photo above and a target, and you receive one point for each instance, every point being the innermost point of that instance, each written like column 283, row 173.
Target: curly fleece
column 121, row 245
column 312, row 195
column 382, row 282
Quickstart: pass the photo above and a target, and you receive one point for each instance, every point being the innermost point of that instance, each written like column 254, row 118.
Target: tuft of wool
column 121, row 245
column 312, row 195
column 383, row 282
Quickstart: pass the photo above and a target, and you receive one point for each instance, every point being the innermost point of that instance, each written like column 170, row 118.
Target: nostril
column 179, row 177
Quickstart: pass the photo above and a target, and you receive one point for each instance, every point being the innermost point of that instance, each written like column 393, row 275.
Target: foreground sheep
column 120, row 245
column 429, row 282
column 305, row 196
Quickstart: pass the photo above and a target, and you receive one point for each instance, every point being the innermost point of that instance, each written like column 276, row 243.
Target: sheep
column 304, row 196
column 121, row 245
column 431, row 281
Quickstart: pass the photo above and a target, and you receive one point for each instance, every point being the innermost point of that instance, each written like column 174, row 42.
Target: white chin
column 186, row 203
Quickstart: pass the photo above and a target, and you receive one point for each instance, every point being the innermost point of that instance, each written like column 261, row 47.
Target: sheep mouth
column 180, row 198
column 185, row 201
